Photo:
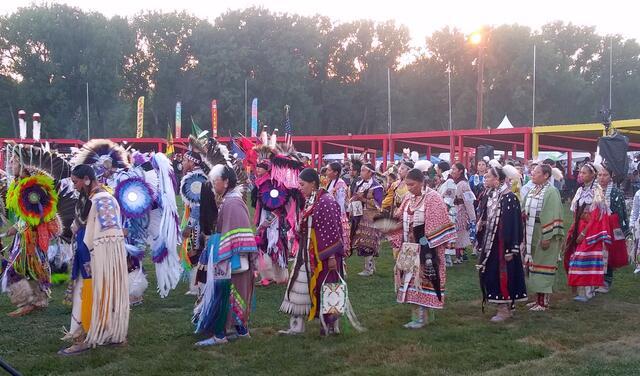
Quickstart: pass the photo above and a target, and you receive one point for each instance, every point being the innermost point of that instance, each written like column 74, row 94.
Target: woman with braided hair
column 366, row 201
column 585, row 246
column 619, row 230
column 340, row 192
column 100, row 313
column 500, row 233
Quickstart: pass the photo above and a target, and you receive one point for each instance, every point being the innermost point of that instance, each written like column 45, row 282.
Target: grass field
column 597, row 338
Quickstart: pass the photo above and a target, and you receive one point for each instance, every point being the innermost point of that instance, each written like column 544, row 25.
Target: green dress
column 544, row 266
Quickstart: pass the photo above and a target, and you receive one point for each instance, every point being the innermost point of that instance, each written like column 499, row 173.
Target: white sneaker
column 415, row 324
column 365, row 273
column 637, row 270
column 602, row 289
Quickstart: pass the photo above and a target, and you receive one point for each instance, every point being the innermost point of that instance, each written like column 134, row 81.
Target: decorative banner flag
column 178, row 119
column 214, row 117
column 254, row 117
column 140, row 122
column 288, row 131
column 196, row 131
column 170, row 147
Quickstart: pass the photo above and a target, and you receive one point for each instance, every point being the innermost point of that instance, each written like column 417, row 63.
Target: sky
column 421, row 17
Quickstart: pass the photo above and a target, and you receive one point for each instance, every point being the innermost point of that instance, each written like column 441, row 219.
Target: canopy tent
column 505, row 124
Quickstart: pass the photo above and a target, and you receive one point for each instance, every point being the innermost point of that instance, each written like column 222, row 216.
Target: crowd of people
column 270, row 218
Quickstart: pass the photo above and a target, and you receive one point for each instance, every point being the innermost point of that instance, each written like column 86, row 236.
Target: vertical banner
column 140, row 122
column 214, row 117
column 254, row 117
column 178, row 119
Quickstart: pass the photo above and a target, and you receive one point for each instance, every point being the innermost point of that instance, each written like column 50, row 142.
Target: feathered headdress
column 247, row 146
column 264, row 151
column 393, row 169
column 357, row 159
column 511, row 172
column 286, row 165
column 495, row 163
column 423, row 165
column 216, row 154
column 557, row 174
column 406, row 153
column 212, row 152
column 102, row 155
column 36, row 159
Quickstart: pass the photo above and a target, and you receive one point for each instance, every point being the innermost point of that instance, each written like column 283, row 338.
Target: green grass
column 597, row 338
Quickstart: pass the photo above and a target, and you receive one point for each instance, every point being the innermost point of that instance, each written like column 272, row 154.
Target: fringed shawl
column 234, row 227
column 105, row 239
column 439, row 229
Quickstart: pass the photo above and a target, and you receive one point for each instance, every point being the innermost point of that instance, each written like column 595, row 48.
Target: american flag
column 288, row 133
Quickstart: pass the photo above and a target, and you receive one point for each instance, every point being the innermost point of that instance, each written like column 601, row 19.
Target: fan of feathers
column 37, row 158
column 214, row 153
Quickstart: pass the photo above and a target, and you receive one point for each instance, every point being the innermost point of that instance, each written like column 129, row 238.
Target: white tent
column 505, row 124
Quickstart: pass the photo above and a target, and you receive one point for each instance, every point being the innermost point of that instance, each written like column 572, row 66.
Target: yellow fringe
column 110, row 311
column 313, row 244
column 87, row 304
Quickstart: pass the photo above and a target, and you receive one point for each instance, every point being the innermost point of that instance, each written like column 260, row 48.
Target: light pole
column 476, row 38
column 449, row 85
column 245, row 106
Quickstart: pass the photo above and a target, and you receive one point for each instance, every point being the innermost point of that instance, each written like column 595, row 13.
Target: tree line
column 333, row 75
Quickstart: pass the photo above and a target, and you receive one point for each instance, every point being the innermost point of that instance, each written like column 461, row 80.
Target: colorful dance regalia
column 618, row 229
column 164, row 228
column 392, row 201
column 501, row 281
column 136, row 199
column 320, row 239
column 228, row 294
column 585, row 261
column 543, row 222
column 32, row 202
column 191, row 186
column 365, row 238
column 425, row 222
column 100, row 314
column 340, row 192
column 277, row 200
column 447, row 191
column 635, row 225
column 476, row 183
column 465, row 214
column 274, row 204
